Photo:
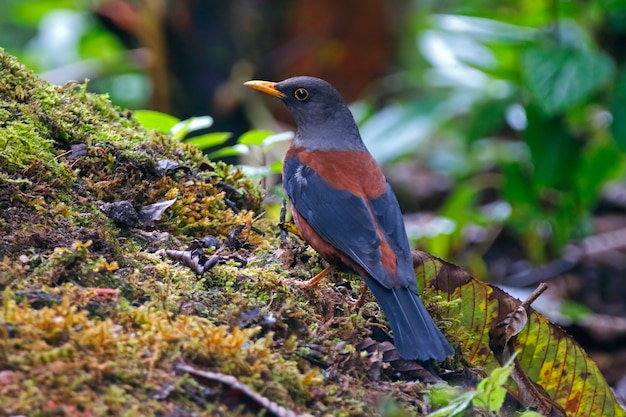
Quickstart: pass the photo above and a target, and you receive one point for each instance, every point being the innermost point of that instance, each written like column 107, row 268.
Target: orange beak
column 266, row 87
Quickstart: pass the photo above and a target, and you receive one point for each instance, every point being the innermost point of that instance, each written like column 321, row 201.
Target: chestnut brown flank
column 388, row 255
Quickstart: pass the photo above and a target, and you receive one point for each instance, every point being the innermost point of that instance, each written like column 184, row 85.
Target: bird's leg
column 283, row 218
column 359, row 303
column 316, row 279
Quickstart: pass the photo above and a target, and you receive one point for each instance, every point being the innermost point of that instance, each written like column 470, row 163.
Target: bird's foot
column 358, row 303
column 298, row 283
column 313, row 281
column 354, row 303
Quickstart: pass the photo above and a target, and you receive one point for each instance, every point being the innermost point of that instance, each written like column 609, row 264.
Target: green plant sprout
column 489, row 395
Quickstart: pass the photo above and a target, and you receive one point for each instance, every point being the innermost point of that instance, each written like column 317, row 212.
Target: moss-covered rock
column 96, row 316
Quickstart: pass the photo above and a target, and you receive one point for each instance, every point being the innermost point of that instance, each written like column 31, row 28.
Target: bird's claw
column 310, row 283
column 298, row 283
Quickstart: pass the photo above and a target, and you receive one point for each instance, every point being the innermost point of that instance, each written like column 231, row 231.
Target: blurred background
column 500, row 124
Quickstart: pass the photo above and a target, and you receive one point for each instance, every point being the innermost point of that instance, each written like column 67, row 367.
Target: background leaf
column 181, row 129
column 209, row 139
column 560, row 78
column 599, row 164
column 618, row 110
column 151, row 119
column 235, row 150
column 254, row 137
column 276, row 138
column 554, row 152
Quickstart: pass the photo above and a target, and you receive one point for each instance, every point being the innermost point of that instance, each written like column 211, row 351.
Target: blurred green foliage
column 519, row 90
column 62, row 40
column 255, row 141
column 520, row 104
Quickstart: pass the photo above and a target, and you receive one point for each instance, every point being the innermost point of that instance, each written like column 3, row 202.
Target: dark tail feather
column 415, row 334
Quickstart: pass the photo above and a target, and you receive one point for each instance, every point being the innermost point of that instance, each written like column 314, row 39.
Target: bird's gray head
column 323, row 119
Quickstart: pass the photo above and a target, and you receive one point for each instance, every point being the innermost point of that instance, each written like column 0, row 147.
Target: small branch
column 535, row 294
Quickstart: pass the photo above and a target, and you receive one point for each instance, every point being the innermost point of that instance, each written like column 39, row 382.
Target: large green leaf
column 559, row 78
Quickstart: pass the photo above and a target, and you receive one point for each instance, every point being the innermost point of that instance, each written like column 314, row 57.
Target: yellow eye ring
column 301, row 94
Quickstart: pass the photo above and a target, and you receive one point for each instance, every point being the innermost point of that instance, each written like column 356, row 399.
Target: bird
column 345, row 209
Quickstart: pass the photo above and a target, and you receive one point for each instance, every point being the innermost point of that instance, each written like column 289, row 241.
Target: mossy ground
column 94, row 321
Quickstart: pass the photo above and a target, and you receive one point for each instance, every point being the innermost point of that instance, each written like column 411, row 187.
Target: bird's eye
column 301, row 94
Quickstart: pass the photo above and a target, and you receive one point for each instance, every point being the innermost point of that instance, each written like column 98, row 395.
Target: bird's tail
column 415, row 334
